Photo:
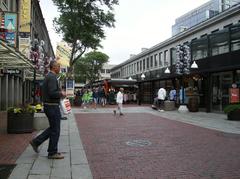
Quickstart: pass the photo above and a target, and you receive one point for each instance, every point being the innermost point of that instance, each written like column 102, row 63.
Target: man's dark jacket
column 51, row 92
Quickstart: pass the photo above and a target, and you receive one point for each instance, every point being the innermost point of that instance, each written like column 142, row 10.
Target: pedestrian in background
column 119, row 101
column 51, row 94
column 161, row 98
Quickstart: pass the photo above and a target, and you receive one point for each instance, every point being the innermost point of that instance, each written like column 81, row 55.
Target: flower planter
column 20, row 122
column 234, row 115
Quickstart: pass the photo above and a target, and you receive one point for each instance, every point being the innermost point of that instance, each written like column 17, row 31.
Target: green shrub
column 231, row 107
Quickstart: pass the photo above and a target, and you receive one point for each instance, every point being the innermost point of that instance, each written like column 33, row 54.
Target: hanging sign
column 234, row 95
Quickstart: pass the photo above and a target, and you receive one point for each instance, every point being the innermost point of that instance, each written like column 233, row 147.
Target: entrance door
column 221, row 83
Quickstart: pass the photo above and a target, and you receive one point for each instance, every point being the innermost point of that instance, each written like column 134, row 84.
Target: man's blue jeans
column 53, row 132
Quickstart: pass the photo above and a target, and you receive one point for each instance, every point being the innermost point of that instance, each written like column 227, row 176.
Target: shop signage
column 24, row 45
column 70, row 88
column 25, row 16
column 234, row 95
column 10, row 71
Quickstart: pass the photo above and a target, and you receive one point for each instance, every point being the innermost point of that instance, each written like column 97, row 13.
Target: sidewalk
column 75, row 164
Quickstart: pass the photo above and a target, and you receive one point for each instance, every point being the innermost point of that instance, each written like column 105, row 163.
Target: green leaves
column 82, row 23
column 88, row 67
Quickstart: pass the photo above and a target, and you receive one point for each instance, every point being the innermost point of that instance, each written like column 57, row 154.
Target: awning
column 11, row 58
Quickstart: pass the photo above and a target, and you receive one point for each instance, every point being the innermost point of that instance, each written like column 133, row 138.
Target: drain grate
column 138, row 143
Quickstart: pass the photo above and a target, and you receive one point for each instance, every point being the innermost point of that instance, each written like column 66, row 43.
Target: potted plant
column 20, row 119
column 232, row 111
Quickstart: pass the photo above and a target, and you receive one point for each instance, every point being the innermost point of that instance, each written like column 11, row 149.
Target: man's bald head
column 54, row 66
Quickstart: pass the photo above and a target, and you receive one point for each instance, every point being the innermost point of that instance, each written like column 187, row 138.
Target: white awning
column 11, row 58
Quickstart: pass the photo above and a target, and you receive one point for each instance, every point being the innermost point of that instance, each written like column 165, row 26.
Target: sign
column 25, row 16
column 70, row 87
column 63, row 54
column 24, row 46
column 234, row 95
column 10, row 26
column 11, row 71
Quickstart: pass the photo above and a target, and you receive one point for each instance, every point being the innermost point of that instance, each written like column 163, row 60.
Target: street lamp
column 183, row 68
column 130, row 78
column 143, row 76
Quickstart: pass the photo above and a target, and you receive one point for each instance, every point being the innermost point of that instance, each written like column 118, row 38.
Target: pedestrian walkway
column 75, row 164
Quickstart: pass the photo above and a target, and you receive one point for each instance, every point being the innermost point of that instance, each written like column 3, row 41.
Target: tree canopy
column 82, row 23
column 89, row 66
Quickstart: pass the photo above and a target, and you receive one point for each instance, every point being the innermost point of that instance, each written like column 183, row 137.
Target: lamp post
column 183, row 68
column 37, row 56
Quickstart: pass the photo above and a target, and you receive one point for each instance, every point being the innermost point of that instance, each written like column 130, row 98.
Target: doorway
column 221, row 82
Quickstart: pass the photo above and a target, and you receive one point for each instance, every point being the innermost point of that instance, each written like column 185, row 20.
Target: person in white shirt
column 161, row 97
column 119, row 101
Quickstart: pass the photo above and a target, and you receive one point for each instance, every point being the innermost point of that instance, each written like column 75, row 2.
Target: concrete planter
column 234, row 115
column 20, row 122
column 3, row 122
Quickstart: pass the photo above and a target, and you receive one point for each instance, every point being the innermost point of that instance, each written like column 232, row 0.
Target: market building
column 214, row 46
column 25, row 51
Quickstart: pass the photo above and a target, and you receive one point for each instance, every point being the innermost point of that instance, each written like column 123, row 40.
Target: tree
column 82, row 24
column 88, row 67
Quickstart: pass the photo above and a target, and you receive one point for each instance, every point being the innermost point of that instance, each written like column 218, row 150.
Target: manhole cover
column 138, row 143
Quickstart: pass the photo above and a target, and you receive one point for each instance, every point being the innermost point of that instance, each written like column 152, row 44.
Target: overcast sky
column 139, row 24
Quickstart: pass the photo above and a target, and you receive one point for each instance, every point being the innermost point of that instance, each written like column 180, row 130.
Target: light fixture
column 143, row 76
column 130, row 78
column 167, row 70
column 194, row 65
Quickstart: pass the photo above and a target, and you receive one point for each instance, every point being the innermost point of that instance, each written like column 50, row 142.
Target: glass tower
column 201, row 13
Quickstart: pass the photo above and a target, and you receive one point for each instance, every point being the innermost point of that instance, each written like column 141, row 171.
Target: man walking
column 51, row 94
column 119, row 102
column 161, row 98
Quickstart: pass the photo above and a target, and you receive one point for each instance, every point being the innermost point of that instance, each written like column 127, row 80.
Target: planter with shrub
column 233, row 111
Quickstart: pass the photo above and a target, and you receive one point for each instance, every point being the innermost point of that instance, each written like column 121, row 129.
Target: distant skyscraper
column 201, row 13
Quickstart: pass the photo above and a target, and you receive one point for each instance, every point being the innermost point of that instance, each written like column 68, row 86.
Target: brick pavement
column 12, row 146
column 177, row 151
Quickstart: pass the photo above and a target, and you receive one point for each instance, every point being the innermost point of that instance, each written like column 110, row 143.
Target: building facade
column 25, row 50
column 201, row 14
column 215, row 47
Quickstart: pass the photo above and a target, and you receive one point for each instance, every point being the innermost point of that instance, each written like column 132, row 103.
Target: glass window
column 199, row 48
column 141, row 65
column 137, row 66
column 235, row 37
column 160, row 59
column 147, row 63
column 165, row 58
column 151, row 61
column 173, row 55
column 219, row 42
column 155, row 60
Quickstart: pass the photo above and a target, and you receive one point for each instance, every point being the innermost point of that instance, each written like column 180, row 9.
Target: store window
column 199, row 48
column 219, row 42
column 173, row 55
column 155, row 60
column 165, row 58
column 235, row 37
column 160, row 59
column 143, row 64
column 147, row 63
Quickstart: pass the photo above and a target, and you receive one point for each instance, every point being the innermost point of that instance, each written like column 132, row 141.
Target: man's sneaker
column 121, row 114
column 114, row 112
column 56, row 156
column 34, row 146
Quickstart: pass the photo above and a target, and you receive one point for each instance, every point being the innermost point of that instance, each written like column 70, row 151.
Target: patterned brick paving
column 12, row 146
column 178, row 150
